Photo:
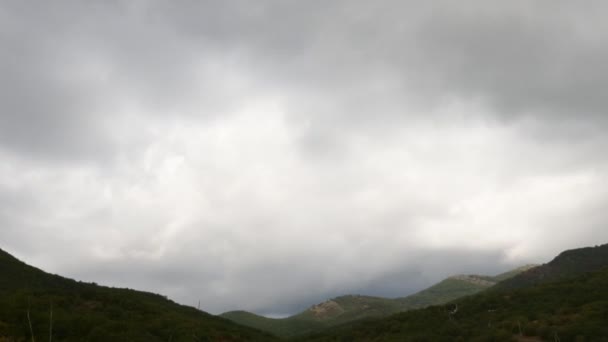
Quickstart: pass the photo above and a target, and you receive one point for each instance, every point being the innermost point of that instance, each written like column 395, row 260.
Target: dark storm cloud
column 268, row 155
column 522, row 60
column 69, row 68
column 541, row 60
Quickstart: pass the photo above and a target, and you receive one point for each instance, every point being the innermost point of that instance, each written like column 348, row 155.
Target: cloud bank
column 268, row 155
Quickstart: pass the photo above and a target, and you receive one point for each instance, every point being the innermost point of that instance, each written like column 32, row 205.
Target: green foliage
column 512, row 273
column 88, row 312
column 567, row 264
column 345, row 309
column 284, row 327
column 566, row 298
column 443, row 292
column 573, row 309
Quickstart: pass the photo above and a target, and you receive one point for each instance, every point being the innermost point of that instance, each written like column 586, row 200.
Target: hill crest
column 348, row 308
column 568, row 263
column 84, row 311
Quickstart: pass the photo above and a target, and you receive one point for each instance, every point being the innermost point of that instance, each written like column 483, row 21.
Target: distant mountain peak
column 568, row 263
column 326, row 310
column 348, row 308
column 474, row 279
column 98, row 310
column 563, row 300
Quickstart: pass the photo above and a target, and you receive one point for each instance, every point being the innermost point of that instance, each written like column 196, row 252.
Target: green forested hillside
column 284, row 327
column 350, row 308
column 88, row 312
column 567, row 264
column 564, row 300
column 573, row 309
column 456, row 287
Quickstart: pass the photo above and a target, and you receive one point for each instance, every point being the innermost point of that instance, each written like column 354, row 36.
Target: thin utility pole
column 29, row 320
column 557, row 339
column 519, row 326
column 51, row 323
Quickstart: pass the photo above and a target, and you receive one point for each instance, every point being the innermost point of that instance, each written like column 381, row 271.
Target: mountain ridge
column 85, row 311
column 569, row 305
column 348, row 308
column 569, row 263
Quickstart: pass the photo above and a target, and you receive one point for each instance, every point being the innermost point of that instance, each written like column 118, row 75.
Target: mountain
column 569, row 263
column 350, row 308
column 31, row 299
column 566, row 300
column 456, row 287
column 283, row 327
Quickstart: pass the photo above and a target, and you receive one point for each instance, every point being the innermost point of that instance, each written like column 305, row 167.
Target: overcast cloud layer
column 266, row 155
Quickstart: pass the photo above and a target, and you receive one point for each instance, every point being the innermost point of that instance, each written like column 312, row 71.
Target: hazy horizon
column 269, row 155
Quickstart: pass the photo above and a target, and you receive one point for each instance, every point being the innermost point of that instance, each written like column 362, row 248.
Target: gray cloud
column 269, row 155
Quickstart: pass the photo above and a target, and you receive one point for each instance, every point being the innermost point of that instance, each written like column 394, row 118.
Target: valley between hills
column 350, row 308
column 565, row 299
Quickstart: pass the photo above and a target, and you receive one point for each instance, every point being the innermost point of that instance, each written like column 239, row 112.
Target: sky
column 268, row 155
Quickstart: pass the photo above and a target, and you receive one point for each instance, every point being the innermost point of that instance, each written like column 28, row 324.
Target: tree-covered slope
column 456, row 287
column 565, row 299
column 443, row 292
column 567, row 264
column 283, row 327
column 350, row 308
column 88, row 312
column 572, row 309
column 320, row 316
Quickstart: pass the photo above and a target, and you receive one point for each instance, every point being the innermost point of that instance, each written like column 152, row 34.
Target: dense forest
column 344, row 309
column 569, row 310
column 38, row 304
column 564, row 300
